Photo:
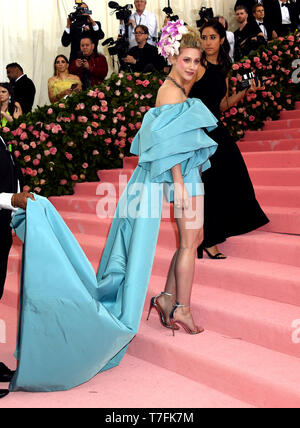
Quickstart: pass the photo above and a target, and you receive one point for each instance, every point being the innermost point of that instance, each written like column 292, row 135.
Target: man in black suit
column 24, row 89
column 84, row 26
column 282, row 15
column 249, row 4
column 260, row 24
column 143, row 58
column 246, row 36
column 11, row 182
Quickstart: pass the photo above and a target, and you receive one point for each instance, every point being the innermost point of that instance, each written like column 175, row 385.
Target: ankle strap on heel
column 176, row 306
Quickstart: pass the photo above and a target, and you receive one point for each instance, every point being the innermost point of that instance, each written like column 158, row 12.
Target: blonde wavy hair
column 191, row 39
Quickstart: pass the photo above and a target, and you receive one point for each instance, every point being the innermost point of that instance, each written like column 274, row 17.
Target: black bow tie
column 260, row 23
column 284, row 5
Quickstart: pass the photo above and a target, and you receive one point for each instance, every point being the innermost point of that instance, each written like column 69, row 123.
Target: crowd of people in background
column 258, row 23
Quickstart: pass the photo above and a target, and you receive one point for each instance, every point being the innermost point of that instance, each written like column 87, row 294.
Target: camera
column 123, row 13
column 79, row 17
column 168, row 11
column 206, row 13
column 120, row 46
column 245, row 83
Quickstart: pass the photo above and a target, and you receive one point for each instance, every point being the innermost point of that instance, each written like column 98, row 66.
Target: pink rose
column 69, row 156
column 46, row 152
column 101, row 95
column 17, row 153
column 27, row 158
column 50, row 111
column 23, row 136
column 74, row 177
column 252, row 118
column 35, row 162
column 63, row 182
column 85, row 165
column 53, row 151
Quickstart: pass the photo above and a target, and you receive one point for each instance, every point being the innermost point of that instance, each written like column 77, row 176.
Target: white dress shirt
column 285, row 13
column 263, row 28
column 231, row 41
column 5, row 198
column 146, row 18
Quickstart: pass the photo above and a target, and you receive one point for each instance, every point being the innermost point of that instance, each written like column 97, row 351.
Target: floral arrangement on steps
column 274, row 64
column 68, row 142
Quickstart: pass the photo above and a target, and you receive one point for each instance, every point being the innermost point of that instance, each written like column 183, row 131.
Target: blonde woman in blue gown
column 74, row 324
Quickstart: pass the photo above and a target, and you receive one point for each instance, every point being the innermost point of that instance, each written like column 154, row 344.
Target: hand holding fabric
column 19, row 200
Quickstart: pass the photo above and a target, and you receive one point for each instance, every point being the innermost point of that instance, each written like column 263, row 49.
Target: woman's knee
column 191, row 241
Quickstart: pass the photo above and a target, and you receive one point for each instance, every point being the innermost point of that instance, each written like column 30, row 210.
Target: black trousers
column 5, row 246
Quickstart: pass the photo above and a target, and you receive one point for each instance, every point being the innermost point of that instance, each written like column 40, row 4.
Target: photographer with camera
column 141, row 17
column 91, row 67
column 80, row 23
column 144, row 57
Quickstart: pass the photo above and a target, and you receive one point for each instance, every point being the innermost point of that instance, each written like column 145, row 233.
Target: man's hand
column 19, row 200
column 78, row 63
column 85, row 64
column 130, row 59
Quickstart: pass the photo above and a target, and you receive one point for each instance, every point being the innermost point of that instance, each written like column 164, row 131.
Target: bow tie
column 260, row 23
column 284, row 5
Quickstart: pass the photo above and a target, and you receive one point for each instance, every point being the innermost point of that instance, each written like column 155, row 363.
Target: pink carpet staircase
column 249, row 304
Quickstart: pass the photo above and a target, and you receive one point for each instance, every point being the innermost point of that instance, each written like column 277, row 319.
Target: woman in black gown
column 230, row 206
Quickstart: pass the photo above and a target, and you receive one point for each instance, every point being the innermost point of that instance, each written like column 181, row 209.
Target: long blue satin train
column 73, row 323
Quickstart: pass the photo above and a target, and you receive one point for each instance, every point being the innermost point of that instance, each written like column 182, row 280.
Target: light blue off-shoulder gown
column 73, row 323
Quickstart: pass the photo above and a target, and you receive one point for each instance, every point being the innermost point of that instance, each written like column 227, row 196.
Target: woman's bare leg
column 190, row 237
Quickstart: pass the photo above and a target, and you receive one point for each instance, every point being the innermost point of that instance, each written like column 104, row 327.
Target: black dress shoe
column 6, row 374
column 4, row 392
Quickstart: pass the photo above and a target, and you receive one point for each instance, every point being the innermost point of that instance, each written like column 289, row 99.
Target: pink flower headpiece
column 172, row 33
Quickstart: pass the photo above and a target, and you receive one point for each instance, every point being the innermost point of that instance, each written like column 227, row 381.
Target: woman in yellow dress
column 62, row 83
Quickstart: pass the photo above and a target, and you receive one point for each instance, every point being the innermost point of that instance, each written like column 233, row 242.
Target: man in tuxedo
column 11, row 182
column 260, row 24
column 24, row 89
column 83, row 26
column 282, row 16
